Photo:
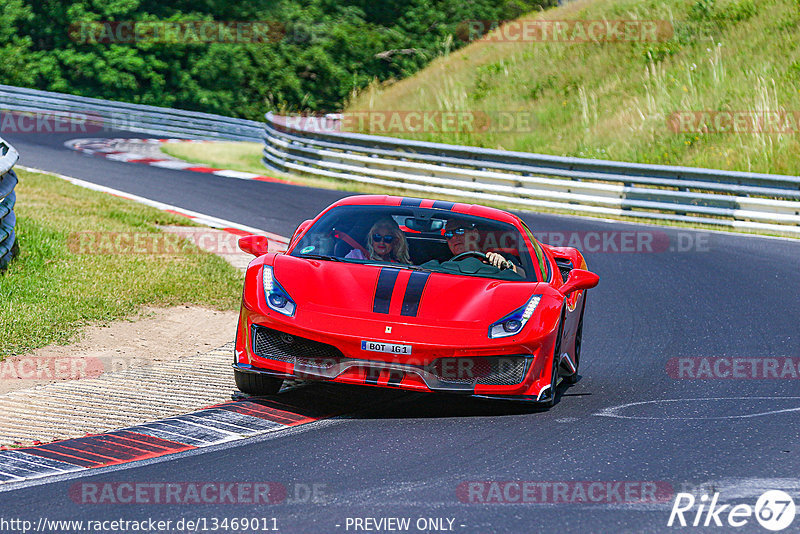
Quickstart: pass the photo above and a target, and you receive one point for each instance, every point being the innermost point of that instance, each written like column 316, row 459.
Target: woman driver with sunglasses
column 385, row 242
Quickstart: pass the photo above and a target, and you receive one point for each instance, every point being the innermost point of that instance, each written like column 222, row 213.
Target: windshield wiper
column 320, row 257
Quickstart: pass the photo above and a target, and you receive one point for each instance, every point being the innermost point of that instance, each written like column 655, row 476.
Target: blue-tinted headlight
column 514, row 322
column 277, row 297
column 277, row 301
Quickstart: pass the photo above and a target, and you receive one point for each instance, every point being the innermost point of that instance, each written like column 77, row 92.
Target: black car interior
column 346, row 228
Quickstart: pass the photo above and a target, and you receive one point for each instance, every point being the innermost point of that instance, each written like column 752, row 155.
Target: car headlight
column 277, row 298
column 514, row 322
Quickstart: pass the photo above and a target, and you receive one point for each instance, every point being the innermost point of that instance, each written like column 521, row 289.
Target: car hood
column 397, row 294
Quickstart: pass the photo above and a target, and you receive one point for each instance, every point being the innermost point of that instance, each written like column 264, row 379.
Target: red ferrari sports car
column 421, row 295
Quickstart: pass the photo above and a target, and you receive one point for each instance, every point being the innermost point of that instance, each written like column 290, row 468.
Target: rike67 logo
column 774, row 510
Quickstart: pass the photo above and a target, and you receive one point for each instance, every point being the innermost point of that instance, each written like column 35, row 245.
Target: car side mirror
column 257, row 245
column 579, row 279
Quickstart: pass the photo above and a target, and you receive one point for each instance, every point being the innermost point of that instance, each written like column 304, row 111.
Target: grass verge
column 238, row 156
column 51, row 290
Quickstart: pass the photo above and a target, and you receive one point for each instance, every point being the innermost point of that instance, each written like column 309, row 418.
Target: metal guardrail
column 131, row 117
column 8, row 180
column 765, row 202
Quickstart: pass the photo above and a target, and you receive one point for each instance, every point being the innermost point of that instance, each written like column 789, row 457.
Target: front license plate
column 391, row 348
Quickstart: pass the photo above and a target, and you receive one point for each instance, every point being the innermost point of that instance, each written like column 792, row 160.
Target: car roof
column 454, row 207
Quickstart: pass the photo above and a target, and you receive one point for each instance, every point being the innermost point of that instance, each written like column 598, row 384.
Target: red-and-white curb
column 221, row 423
column 108, row 148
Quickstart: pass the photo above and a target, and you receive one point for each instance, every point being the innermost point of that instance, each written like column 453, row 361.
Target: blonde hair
column 399, row 251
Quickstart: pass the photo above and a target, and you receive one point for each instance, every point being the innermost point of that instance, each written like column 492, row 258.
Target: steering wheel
column 481, row 256
column 469, row 253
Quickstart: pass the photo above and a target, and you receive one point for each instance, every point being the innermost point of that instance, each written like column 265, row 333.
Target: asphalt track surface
column 406, row 455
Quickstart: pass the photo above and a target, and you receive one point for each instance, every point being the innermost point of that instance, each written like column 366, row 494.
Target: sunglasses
column 377, row 238
column 456, row 231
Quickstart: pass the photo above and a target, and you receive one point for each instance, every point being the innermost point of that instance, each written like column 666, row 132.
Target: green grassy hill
column 613, row 100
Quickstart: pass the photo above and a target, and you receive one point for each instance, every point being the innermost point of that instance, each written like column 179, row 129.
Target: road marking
column 614, row 411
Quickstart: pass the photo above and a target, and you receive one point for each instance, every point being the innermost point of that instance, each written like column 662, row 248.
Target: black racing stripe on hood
column 383, row 292
column 414, row 289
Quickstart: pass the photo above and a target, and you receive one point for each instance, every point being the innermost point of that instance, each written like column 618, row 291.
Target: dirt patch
column 156, row 335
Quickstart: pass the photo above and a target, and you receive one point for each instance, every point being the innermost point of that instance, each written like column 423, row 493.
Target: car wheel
column 257, row 384
column 573, row 378
column 554, row 371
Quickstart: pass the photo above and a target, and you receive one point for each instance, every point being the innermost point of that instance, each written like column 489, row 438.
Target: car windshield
column 418, row 238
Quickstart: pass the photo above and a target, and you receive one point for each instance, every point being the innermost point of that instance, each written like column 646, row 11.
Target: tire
column 573, row 378
column 549, row 403
column 257, row 384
